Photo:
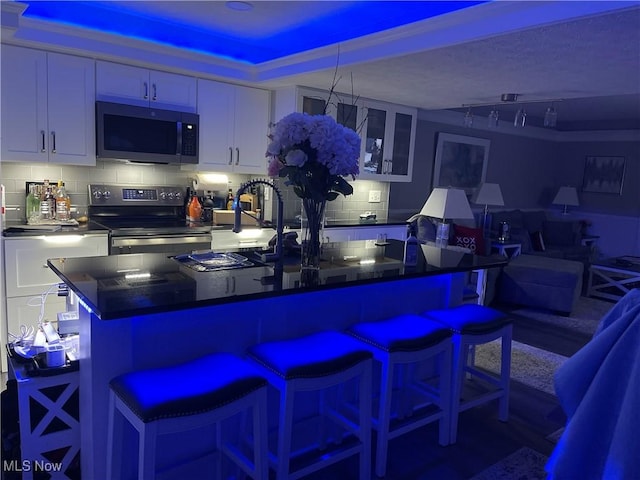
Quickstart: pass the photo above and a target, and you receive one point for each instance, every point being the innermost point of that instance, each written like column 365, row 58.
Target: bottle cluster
column 48, row 202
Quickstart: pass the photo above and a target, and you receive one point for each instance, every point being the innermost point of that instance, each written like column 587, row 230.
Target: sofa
column 552, row 268
column 543, row 236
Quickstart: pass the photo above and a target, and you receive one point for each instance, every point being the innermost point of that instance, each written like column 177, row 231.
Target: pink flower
column 274, row 167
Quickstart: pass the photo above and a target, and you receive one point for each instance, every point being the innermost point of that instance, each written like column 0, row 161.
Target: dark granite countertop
column 121, row 286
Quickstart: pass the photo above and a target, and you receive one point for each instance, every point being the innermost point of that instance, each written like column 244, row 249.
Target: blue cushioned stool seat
column 403, row 345
column 404, row 333
column 470, row 318
column 182, row 397
column 315, row 363
column 193, row 389
column 474, row 325
column 312, row 356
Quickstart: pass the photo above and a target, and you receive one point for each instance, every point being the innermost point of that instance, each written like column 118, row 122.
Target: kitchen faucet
column 237, row 226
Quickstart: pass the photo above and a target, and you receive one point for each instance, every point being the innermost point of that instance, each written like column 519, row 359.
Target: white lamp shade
column 489, row 194
column 447, row 203
column 566, row 196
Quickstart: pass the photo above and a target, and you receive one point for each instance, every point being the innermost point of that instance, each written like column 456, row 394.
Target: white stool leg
column 260, row 437
column 285, row 431
column 114, row 429
column 365, row 391
column 444, row 431
column 459, row 358
column 384, row 417
column 505, row 373
column 147, row 451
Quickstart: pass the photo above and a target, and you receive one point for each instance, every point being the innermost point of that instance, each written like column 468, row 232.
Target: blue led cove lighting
column 354, row 20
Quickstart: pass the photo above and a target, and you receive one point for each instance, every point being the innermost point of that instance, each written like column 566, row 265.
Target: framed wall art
column 460, row 161
column 603, row 175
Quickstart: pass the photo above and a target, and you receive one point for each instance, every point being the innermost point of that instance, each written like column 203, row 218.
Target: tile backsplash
column 76, row 178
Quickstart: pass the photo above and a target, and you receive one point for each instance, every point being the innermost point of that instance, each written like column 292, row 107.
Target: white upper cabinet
column 47, row 107
column 388, row 140
column 147, row 88
column 234, row 124
column 387, row 131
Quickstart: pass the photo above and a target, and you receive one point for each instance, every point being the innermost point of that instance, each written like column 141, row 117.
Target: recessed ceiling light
column 240, row 6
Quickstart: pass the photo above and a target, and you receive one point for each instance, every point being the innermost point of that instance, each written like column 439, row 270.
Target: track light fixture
column 550, row 116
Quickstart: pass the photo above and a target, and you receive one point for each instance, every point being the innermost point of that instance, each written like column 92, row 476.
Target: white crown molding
column 450, row 117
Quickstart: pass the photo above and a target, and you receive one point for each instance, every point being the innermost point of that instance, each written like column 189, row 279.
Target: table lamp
column 566, row 196
column 489, row 194
column 446, row 204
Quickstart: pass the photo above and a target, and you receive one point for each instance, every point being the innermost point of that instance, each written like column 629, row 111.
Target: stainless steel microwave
column 149, row 135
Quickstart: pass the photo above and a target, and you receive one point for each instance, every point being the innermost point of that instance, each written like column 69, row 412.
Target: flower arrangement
column 314, row 153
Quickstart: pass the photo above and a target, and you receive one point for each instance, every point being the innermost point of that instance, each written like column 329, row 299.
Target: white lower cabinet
column 27, row 277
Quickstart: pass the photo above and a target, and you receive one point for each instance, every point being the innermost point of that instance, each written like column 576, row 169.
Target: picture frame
column 603, row 174
column 460, row 162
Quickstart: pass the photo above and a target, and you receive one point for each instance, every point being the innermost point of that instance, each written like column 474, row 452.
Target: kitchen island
column 149, row 310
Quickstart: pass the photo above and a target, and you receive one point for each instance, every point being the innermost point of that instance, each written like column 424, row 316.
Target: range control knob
column 97, row 194
column 106, row 194
column 170, row 195
column 178, row 195
column 163, row 195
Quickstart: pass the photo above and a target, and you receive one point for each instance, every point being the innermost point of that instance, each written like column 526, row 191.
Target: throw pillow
column 468, row 237
column 537, row 242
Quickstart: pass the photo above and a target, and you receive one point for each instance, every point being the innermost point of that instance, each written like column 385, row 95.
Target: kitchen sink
column 213, row 261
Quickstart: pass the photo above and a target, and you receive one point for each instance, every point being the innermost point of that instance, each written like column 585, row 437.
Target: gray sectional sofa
column 552, row 278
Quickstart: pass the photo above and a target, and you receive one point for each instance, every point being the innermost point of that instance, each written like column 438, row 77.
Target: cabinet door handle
column 146, row 90
column 233, row 283
column 230, row 156
column 44, row 148
column 155, row 92
column 53, row 139
column 237, row 156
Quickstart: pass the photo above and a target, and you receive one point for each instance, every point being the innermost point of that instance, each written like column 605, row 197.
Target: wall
column 530, row 170
column 518, row 164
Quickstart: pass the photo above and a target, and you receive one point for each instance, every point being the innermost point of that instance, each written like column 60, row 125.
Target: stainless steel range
column 147, row 219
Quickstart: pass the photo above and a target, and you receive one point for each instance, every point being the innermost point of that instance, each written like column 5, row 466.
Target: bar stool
column 317, row 362
column 473, row 325
column 405, row 341
column 178, row 398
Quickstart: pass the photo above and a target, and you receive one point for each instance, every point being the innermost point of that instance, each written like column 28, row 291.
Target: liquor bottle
column 47, row 202
column 63, row 203
column 230, row 200
column 33, row 205
column 411, row 248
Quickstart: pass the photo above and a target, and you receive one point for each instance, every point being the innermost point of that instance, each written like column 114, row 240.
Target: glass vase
column 312, row 226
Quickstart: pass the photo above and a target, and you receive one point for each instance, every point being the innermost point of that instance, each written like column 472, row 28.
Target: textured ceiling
column 588, row 54
column 596, row 60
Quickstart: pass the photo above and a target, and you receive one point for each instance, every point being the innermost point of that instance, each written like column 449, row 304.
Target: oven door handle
column 134, row 241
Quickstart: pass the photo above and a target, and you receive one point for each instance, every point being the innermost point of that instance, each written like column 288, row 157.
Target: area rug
column 523, row 464
column 529, row 365
column 584, row 318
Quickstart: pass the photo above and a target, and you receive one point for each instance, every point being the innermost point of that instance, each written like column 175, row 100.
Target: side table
column 49, row 424
column 507, row 249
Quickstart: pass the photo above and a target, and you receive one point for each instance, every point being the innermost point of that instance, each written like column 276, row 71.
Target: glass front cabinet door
column 388, row 138
column 342, row 107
